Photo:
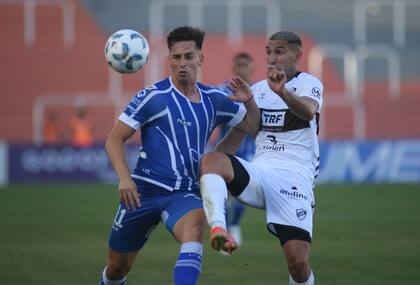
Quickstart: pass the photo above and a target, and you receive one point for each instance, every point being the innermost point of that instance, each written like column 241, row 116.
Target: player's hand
column 128, row 194
column 240, row 89
column 276, row 79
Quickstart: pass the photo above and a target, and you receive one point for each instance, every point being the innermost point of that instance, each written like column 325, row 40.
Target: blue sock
column 188, row 266
column 106, row 281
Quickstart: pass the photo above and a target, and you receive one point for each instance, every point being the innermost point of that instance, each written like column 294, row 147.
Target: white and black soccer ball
column 126, row 51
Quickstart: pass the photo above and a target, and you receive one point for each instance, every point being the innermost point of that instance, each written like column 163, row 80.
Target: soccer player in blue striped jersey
column 175, row 117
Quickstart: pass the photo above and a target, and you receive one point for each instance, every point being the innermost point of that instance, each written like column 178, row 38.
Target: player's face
column 184, row 61
column 243, row 67
column 280, row 54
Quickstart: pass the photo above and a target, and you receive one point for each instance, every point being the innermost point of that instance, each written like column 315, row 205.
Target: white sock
column 106, row 281
column 310, row 281
column 235, row 231
column 192, row 246
column 214, row 192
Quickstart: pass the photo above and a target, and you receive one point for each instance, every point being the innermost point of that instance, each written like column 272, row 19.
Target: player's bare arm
column 116, row 153
column 303, row 107
column 242, row 93
column 231, row 142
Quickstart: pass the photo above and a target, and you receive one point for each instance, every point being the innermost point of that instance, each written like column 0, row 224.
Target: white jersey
column 285, row 141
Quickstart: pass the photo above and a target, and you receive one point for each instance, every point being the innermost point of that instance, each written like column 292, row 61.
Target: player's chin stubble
column 184, row 79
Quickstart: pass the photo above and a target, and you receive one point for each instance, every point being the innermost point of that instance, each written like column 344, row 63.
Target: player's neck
column 292, row 74
column 190, row 91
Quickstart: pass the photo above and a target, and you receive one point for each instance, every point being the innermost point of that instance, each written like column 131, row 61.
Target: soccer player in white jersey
column 281, row 177
column 175, row 116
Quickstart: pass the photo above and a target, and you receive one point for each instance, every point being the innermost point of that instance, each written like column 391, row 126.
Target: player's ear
column 298, row 54
column 200, row 58
column 252, row 67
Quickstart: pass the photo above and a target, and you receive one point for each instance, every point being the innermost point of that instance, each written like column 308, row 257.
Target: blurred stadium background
column 57, row 200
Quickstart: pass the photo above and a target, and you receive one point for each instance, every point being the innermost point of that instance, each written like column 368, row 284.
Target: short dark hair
column 243, row 55
column 293, row 39
column 186, row 33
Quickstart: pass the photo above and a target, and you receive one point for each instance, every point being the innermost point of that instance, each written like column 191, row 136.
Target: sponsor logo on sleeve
column 136, row 100
column 316, row 92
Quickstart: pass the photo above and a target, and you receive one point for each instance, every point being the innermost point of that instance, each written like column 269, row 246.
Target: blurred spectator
column 53, row 130
column 242, row 66
column 80, row 128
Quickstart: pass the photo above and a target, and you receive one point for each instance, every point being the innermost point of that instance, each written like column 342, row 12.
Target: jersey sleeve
column 313, row 89
column 143, row 108
column 225, row 89
column 228, row 112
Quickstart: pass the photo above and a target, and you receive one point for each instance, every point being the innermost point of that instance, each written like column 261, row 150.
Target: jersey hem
column 151, row 181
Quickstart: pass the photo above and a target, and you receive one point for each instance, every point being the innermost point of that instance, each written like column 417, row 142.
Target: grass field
column 56, row 234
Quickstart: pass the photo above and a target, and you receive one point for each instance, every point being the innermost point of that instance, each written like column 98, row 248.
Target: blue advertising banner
column 62, row 164
column 341, row 162
column 373, row 162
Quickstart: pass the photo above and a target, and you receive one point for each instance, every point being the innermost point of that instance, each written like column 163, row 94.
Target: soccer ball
column 126, row 51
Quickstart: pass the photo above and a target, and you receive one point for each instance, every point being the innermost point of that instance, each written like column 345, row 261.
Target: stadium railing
column 354, row 77
column 392, row 57
column 29, row 18
column 196, row 8
column 362, row 9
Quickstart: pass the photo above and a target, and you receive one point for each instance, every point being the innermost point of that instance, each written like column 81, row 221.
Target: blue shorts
column 131, row 229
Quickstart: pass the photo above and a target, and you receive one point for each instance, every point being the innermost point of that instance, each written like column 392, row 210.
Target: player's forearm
column 231, row 142
column 299, row 106
column 116, row 153
column 253, row 117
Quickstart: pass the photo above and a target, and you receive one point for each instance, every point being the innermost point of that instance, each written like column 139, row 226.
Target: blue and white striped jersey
column 174, row 131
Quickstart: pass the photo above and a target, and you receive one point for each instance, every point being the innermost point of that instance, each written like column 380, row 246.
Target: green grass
column 56, row 234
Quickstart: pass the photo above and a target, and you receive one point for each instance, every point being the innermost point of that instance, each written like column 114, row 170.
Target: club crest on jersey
column 293, row 90
column 301, row 214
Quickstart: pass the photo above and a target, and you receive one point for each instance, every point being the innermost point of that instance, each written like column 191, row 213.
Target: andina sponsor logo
column 293, row 194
